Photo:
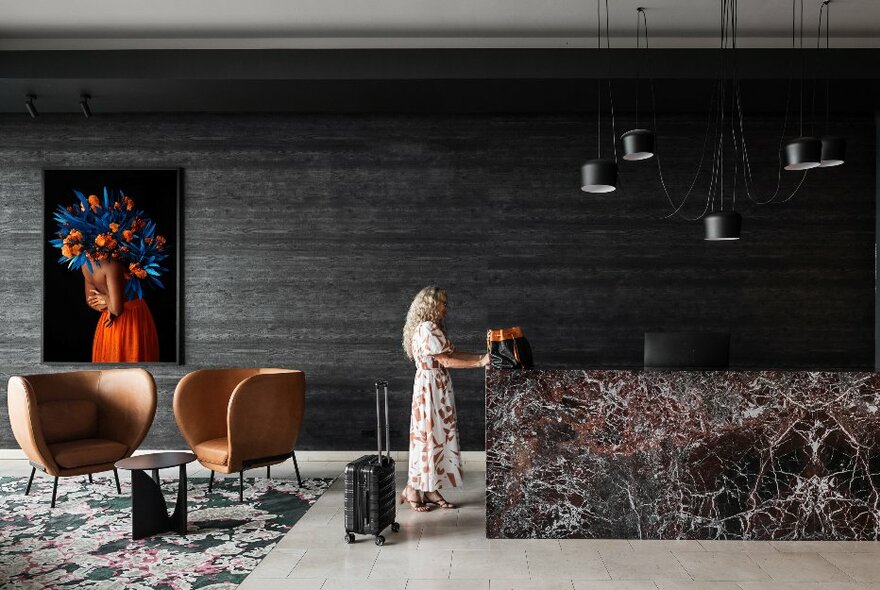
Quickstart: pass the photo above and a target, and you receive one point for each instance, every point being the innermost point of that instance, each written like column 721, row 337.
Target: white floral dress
column 434, row 454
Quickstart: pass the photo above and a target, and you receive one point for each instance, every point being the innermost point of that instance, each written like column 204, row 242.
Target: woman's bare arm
column 115, row 289
column 91, row 289
column 462, row 360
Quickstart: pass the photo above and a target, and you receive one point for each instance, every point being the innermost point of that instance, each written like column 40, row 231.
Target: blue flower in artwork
column 93, row 230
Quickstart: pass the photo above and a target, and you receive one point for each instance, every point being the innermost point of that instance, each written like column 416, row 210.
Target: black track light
column 31, row 107
column 84, row 105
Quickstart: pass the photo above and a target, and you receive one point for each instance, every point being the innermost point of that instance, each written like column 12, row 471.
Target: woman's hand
column 485, row 360
column 96, row 300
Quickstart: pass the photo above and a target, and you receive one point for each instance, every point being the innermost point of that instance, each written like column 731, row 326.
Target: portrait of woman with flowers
column 124, row 261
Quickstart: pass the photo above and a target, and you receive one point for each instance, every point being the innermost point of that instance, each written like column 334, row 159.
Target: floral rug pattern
column 85, row 542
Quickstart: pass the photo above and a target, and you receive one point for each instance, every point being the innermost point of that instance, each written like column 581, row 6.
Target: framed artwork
column 111, row 266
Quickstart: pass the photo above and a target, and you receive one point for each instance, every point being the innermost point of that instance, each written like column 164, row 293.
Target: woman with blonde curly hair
column 434, row 455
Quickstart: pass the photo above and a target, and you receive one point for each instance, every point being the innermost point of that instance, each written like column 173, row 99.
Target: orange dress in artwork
column 131, row 338
column 434, row 453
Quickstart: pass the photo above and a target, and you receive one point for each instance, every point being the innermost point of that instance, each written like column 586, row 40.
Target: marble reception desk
column 682, row 455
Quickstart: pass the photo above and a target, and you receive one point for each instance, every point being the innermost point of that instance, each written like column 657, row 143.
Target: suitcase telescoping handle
column 383, row 384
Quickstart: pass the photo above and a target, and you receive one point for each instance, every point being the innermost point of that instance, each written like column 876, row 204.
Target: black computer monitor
column 687, row 350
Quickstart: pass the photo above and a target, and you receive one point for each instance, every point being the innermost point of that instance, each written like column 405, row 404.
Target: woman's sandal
column 416, row 505
column 438, row 500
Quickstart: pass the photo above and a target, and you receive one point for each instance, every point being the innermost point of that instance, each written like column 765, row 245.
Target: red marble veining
column 683, row 455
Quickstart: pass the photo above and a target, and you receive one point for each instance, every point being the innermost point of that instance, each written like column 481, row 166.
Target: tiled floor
column 447, row 550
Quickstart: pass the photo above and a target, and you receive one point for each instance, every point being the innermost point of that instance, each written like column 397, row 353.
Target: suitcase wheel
column 380, row 540
column 349, row 538
column 395, row 526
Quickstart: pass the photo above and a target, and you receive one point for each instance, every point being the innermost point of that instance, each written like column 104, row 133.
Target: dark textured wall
column 307, row 236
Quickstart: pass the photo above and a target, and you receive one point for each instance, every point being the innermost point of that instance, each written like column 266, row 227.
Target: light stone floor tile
column 799, row 567
column 744, row 546
column 343, row 584
column 670, row 545
column 489, row 564
column 720, row 567
column 504, row 584
column 614, row 585
column 278, row 564
column 349, row 561
column 642, row 565
column 827, row 546
column 681, row 585
column 544, row 544
column 775, row 585
column 862, row 567
column 252, row 583
column 416, row 584
column 412, row 564
column 608, row 545
column 549, row 564
column 452, row 537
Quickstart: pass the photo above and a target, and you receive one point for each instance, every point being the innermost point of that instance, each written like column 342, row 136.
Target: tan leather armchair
column 81, row 422
column 235, row 419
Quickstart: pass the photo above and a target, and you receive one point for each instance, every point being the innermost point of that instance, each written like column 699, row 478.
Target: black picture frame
column 54, row 180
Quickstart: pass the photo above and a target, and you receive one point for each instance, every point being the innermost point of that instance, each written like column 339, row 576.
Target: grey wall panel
column 307, row 236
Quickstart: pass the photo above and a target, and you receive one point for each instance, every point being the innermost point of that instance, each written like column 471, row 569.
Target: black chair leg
column 116, row 476
column 54, row 491
column 90, row 478
column 296, row 467
column 30, row 481
column 241, row 486
column 268, row 472
column 156, row 475
column 211, row 482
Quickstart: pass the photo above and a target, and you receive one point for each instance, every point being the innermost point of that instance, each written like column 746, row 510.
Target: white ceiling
column 121, row 24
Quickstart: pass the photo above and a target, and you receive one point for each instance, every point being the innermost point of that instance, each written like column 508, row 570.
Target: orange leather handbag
column 509, row 349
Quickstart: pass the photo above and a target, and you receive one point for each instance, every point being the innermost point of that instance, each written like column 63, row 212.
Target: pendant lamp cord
column 599, row 81
column 825, row 8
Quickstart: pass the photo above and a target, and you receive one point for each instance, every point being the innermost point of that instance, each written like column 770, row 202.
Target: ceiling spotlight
column 31, row 107
column 84, row 105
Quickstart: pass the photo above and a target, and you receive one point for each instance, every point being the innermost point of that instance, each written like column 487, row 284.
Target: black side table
column 149, row 512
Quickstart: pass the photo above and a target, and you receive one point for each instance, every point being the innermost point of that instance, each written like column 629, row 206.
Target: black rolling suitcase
column 370, row 495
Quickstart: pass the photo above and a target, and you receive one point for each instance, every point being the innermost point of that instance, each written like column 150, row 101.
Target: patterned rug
column 85, row 542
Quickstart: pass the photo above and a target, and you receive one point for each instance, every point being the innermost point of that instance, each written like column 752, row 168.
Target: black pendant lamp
column 600, row 174
column 804, row 152
column 638, row 144
column 722, row 226
column 833, row 152
column 833, row 148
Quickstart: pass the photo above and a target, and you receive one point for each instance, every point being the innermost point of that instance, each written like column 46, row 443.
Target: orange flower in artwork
column 100, row 240
column 76, row 249
column 160, row 242
column 114, row 227
column 94, row 202
column 137, row 271
column 127, row 235
column 65, row 251
column 75, row 235
column 129, row 203
column 148, row 240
